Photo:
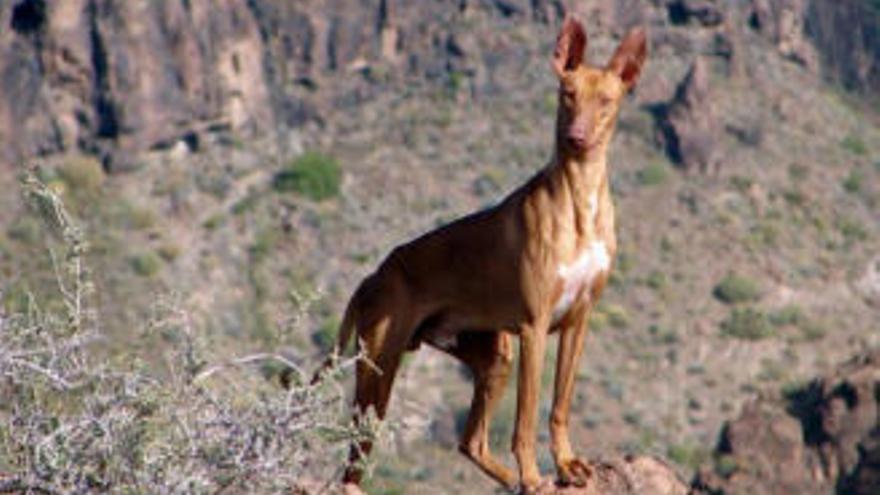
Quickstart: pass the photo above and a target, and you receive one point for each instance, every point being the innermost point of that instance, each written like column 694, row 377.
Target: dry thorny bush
column 75, row 420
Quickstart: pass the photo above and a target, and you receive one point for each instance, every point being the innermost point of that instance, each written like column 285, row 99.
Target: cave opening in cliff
column 29, row 16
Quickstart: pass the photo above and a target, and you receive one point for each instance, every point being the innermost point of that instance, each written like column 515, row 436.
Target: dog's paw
column 576, row 472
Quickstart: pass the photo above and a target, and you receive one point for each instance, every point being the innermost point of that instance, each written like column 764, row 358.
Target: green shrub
column 726, row 465
column 82, row 174
column 598, row 321
column 854, row 145
column 798, row 172
column 25, row 230
column 138, row 217
column 617, row 316
column 169, row 251
column 852, row 229
column 787, row 315
column 794, row 197
column 652, row 175
column 313, row 175
column 213, row 222
column 747, row 324
column 734, row 289
column 740, row 183
column 146, row 264
column 264, row 243
column 812, row 331
column 853, row 181
column 656, row 280
column 688, row 456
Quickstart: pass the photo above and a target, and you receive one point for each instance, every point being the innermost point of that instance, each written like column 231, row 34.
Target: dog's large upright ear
column 630, row 56
column 570, row 46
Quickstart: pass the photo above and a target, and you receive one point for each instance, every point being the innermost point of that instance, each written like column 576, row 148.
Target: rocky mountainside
column 253, row 160
column 115, row 78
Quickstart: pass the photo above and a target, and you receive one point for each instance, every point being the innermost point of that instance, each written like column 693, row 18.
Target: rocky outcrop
column 116, row 77
column 783, row 22
column 688, row 124
column 630, row 475
column 824, row 438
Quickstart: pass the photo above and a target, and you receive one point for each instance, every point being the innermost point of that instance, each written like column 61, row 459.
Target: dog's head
column 589, row 97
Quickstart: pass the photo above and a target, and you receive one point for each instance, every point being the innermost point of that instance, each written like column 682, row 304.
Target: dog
column 534, row 264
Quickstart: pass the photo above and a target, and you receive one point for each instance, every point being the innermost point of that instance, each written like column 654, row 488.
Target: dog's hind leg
column 489, row 355
column 384, row 344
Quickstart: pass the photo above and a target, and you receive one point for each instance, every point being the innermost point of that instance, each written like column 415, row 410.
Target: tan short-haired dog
column 534, row 264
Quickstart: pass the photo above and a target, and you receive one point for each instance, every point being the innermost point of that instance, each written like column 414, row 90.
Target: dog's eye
column 604, row 100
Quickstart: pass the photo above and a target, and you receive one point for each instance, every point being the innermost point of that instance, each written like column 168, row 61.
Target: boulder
column 628, row 475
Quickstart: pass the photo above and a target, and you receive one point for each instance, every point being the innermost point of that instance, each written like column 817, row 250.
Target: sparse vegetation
column 82, row 174
column 791, row 314
column 146, row 264
column 812, row 331
column 74, row 421
column 852, row 229
column 735, row 289
column 609, row 314
column 853, row 182
column 656, row 280
column 726, row 465
column 688, row 456
column 652, row 175
column 313, row 175
column 854, row 144
column 747, row 324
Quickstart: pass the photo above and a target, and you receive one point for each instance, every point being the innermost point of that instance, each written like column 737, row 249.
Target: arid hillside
column 256, row 159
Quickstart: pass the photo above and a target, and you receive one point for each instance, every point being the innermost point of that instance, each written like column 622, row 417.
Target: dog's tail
column 346, row 330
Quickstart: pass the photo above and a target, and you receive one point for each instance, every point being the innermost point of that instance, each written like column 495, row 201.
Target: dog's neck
column 580, row 183
column 584, row 174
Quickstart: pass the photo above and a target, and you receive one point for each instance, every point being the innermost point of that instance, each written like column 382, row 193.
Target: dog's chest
column 579, row 275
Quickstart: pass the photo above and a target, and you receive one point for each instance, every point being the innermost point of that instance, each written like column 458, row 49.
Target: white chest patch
column 580, row 274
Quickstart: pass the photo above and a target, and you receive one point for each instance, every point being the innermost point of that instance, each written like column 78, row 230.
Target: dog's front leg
column 533, row 340
column 570, row 469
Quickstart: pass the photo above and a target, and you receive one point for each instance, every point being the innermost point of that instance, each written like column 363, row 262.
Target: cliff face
column 108, row 76
column 113, row 77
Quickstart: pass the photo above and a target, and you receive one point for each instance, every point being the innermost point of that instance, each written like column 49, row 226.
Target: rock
column 784, row 23
column 824, row 437
column 688, row 124
column 869, row 284
column 630, row 475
